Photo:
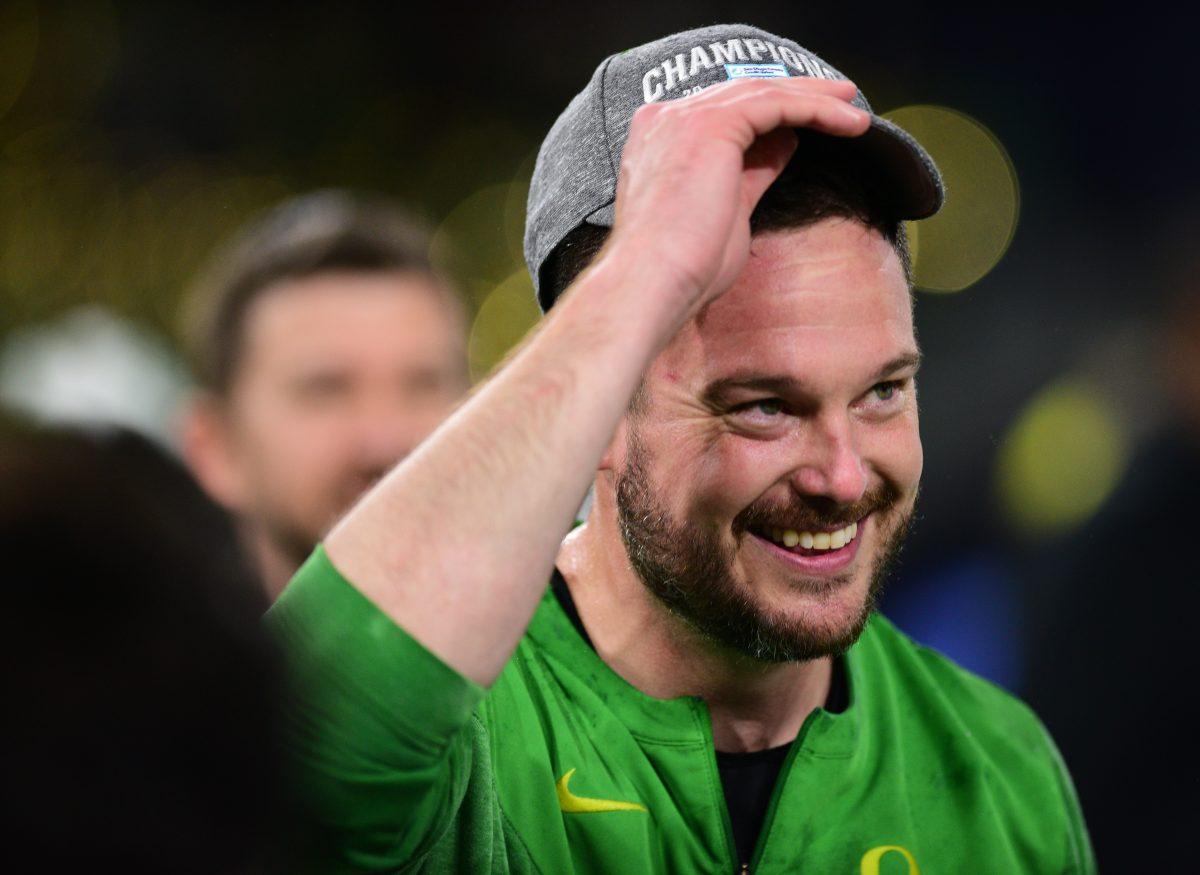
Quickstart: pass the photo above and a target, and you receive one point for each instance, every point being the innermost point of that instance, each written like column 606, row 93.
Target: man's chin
column 810, row 619
column 794, row 614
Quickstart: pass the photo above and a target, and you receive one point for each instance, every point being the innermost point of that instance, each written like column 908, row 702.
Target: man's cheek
column 746, row 471
column 915, row 459
column 711, row 488
column 296, row 465
column 679, row 472
column 896, row 452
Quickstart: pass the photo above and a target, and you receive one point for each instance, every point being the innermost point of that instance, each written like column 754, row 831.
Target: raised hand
column 693, row 170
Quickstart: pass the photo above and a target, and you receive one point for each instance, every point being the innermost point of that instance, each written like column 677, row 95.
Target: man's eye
column 886, row 391
column 766, row 407
column 762, row 417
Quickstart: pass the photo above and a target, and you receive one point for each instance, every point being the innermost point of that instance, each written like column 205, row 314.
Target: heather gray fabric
column 575, row 178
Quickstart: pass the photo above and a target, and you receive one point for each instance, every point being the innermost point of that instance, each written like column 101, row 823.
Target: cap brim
column 898, row 171
column 907, row 177
column 896, row 174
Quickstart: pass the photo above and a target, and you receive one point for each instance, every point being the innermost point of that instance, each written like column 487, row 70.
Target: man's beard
column 689, row 569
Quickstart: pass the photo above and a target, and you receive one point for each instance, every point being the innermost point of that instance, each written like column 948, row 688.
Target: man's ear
column 207, row 443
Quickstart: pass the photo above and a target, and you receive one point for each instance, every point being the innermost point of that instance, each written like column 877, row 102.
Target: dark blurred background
column 134, row 137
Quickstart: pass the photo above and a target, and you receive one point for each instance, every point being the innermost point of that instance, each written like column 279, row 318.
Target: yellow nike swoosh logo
column 573, row 804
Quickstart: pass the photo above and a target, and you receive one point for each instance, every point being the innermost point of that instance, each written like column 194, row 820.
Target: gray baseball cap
column 575, row 178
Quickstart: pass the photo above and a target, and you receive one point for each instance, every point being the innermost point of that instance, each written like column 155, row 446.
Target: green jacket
column 564, row 767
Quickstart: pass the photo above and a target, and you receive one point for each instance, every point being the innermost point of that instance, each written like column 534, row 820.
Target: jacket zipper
column 777, row 792
column 743, row 868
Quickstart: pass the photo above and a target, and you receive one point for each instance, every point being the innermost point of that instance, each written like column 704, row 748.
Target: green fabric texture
column 409, row 767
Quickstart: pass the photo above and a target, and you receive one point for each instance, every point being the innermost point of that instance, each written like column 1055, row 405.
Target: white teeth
column 815, row 540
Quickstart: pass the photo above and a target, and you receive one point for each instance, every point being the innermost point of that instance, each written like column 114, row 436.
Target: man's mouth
column 810, row 543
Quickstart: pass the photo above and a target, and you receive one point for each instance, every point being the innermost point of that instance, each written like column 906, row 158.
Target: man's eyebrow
column 781, row 384
column 899, row 363
column 776, row 384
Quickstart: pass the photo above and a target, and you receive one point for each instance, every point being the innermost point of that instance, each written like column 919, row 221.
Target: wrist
column 631, row 284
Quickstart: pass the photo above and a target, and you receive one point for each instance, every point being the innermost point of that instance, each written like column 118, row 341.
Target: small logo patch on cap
column 755, row 71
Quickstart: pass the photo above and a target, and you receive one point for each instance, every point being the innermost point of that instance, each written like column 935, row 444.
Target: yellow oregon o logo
column 871, row 859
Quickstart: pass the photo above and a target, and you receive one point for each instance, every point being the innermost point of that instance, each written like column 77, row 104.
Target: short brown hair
column 330, row 230
column 819, row 183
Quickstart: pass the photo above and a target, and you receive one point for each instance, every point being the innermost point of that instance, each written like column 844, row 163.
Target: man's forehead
column 388, row 317
column 837, row 271
column 831, row 291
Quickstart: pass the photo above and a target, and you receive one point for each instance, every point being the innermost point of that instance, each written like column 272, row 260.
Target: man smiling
column 730, row 359
column 778, row 575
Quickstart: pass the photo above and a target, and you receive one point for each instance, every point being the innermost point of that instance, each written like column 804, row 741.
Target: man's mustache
column 814, row 513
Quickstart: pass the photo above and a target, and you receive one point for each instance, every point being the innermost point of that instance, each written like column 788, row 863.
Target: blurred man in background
column 326, row 347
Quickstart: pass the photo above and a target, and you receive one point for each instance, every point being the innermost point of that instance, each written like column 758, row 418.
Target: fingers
column 699, row 165
column 840, row 88
column 744, row 110
column 768, row 105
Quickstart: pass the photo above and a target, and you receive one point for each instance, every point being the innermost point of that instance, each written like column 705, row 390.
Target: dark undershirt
column 747, row 778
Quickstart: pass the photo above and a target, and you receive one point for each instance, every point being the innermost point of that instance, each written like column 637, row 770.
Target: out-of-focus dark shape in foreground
column 141, row 694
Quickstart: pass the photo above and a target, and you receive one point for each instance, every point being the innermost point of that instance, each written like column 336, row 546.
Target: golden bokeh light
column 55, row 232
column 18, row 49
column 1060, row 460
column 478, row 243
column 467, row 155
column 514, row 208
column 79, row 51
column 967, row 238
column 73, row 230
column 503, row 319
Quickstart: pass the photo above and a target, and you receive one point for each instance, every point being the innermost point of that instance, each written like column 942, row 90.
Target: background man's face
column 788, row 404
column 341, row 375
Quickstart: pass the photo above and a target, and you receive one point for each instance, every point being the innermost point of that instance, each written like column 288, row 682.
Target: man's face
column 786, row 410
column 341, row 375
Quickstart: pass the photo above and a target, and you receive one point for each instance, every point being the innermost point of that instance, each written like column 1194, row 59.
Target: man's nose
column 830, row 465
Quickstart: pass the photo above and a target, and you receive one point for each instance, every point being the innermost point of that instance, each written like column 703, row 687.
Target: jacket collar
column 685, row 719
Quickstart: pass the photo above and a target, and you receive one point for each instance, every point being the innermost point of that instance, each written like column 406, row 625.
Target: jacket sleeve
column 376, row 724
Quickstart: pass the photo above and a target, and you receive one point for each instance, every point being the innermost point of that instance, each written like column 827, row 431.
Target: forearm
column 457, row 543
